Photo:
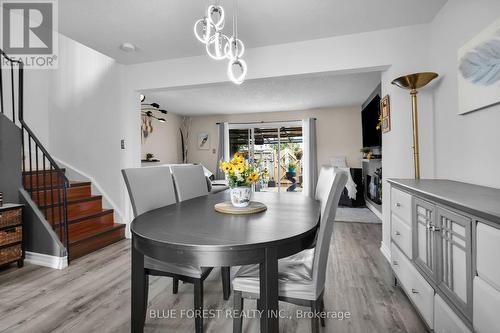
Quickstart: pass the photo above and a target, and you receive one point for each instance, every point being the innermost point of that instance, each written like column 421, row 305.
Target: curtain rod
column 266, row 122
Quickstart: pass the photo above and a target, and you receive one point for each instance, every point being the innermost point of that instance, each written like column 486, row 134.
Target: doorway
column 276, row 148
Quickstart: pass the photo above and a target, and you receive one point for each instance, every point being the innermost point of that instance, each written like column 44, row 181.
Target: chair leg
column 314, row 321
column 322, row 309
column 198, row 305
column 238, row 308
column 226, row 282
column 175, row 285
column 146, row 291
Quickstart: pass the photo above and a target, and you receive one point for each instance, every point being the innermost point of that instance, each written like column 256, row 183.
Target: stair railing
column 42, row 178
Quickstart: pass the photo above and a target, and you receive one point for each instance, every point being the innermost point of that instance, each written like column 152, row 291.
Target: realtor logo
column 29, row 32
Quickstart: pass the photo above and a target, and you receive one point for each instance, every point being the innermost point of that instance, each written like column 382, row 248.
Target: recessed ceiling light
column 128, row 47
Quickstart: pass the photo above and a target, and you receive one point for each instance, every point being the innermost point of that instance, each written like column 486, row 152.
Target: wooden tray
column 227, row 208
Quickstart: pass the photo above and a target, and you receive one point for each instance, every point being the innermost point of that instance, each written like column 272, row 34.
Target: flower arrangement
column 239, row 172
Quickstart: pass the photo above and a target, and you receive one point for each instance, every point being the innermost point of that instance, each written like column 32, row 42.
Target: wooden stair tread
column 74, row 201
column 84, row 217
column 95, row 232
column 96, row 242
column 54, row 187
column 42, row 171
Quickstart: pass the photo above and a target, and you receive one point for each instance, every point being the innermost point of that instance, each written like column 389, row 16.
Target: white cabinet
column 445, row 320
column 401, row 204
column 401, row 235
column 486, row 318
column 488, row 254
column 415, row 286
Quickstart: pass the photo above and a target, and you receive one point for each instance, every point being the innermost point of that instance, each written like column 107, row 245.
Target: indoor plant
column 241, row 175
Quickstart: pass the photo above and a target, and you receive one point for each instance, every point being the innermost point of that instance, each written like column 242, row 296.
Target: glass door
column 276, row 148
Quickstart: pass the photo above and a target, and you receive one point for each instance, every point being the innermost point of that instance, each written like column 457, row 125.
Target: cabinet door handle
column 398, row 204
column 415, row 291
column 395, row 263
column 397, row 233
column 434, row 228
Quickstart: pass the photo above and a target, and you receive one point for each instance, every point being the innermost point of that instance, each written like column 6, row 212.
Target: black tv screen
column 369, row 117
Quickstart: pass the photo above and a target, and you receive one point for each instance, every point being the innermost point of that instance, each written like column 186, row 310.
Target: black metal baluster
column 52, row 195
column 1, row 83
column 13, row 95
column 65, row 212
column 30, row 190
column 44, row 190
column 38, row 175
column 23, row 153
column 60, row 205
column 20, row 92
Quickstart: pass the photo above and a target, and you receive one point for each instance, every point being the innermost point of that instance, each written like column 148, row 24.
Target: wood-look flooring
column 93, row 294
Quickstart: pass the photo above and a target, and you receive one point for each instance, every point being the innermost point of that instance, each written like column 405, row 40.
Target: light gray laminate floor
column 93, row 294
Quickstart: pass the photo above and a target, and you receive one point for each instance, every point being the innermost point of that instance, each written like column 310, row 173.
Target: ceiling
column 266, row 95
column 163, row 29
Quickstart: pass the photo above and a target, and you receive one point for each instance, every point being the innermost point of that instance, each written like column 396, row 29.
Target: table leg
column 138, row 303
column 268, row 299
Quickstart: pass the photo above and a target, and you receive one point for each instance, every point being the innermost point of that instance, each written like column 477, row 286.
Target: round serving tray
column 227, row 208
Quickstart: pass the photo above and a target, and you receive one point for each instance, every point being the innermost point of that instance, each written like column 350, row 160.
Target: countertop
column 480, row 201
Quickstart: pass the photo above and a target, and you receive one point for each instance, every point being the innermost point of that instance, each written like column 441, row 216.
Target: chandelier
column 208, row 30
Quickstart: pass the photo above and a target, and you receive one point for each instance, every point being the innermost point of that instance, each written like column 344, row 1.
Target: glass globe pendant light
column 237, row 67
column 216, row 46
column 203, row 30
column 217, row 12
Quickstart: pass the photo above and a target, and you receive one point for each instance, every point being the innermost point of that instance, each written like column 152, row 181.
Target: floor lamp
column 413, row 82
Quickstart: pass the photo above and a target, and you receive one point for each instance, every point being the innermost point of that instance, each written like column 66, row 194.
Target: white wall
column 338, row 133
column 84, row 115
column 466, row 145
column 164, row 142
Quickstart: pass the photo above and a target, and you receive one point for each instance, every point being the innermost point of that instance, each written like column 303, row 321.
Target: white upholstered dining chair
column 150, row 188
column 301, row 277
column 190, row 181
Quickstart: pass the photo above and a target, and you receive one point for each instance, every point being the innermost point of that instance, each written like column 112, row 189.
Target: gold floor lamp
column 413, row 82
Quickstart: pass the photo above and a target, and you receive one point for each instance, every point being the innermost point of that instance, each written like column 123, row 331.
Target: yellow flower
column 226, row 167
column 253, row 177
column 240, row 168
column 238, row 156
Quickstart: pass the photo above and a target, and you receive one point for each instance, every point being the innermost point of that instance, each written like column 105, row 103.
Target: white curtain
column 223, row 148
column 310, row 156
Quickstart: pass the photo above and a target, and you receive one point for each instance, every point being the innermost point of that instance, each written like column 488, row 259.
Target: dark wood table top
column 195, row 225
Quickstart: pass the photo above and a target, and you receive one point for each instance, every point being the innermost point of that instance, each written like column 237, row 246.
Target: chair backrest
column 149, row 188
column 323, row 186
column 190, row 181
column 329, row 206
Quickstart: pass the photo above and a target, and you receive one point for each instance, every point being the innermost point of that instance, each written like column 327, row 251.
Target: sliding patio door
column 276, row 148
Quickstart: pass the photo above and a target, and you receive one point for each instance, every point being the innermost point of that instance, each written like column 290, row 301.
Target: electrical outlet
column 122, row 143
column 213, row 151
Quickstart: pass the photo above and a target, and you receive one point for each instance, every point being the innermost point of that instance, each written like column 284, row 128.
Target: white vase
column 240, row 196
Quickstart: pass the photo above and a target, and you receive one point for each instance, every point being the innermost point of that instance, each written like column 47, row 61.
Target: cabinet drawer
column 488, row 249
column 401, row 205
column 416, row 287
column 486, row 305
column 445, row 320
column 401, row 235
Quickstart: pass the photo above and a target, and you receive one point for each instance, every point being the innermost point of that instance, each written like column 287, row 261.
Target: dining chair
column 301, row 277
column 150, row 188
column 190, row 181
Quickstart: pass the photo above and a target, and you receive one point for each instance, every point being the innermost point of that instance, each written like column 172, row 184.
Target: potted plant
column 365, row 151
column 149, row 156
column 292, row 170
column 241, row 175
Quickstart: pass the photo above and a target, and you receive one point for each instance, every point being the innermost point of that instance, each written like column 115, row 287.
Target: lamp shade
column 415, row 81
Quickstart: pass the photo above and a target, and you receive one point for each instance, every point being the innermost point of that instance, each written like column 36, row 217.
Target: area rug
column 361, row 215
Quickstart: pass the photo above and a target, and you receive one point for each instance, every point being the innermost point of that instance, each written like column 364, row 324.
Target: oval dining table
column 192, row 232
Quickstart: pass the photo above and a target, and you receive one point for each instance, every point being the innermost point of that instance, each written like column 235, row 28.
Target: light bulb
column 213, row 9
column 234, row 48
column 203, row 30
column 242, row 66
column 216, row 46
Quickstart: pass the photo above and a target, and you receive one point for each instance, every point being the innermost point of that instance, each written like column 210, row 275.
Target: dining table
column 192, row 232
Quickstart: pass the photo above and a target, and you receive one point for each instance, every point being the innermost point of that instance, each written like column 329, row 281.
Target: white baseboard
column 46, row 260
column 374, row 210
column 385, row 251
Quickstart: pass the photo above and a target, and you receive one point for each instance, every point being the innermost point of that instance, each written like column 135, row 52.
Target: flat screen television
column 369, row 117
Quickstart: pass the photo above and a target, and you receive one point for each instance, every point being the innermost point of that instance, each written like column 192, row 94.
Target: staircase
column 77, row 216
